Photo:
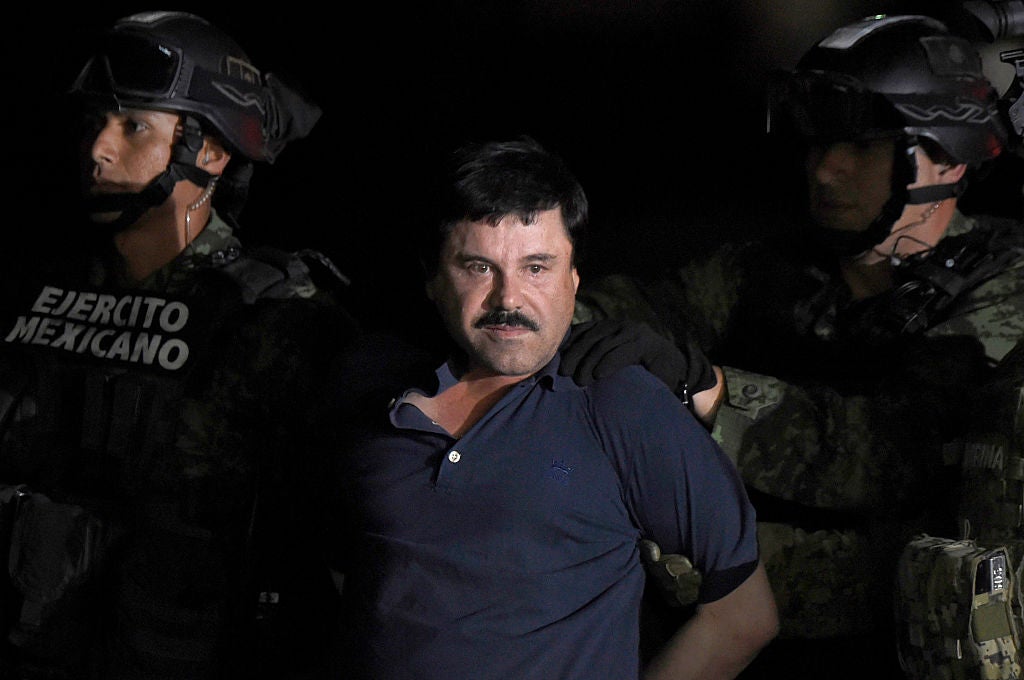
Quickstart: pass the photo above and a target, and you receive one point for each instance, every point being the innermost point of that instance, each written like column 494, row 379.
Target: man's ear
column 430, row 287
column 213, row 157
column 953, row 173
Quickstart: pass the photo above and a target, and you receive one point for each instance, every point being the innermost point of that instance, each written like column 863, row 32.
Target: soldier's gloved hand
column 675, row 578
column 596, row 349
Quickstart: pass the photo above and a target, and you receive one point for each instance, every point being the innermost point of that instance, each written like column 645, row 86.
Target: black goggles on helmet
column 130, row 65
column 822, row 106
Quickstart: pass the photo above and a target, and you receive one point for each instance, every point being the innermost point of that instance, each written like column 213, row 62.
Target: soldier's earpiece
column 206, row 158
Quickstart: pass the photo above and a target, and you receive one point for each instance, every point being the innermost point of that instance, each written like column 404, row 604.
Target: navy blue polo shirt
column 511, row 552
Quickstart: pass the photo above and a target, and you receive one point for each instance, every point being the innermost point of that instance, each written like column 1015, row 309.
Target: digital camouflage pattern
column 823, row 568
column 161, row 413
column 991, row 457
column 953, row 602
column 990, row 509
column 838, row 432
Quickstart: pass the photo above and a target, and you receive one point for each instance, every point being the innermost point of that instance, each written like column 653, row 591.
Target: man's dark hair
column 491, row 180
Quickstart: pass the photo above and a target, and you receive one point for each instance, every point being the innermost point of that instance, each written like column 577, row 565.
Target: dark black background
column 657, row 105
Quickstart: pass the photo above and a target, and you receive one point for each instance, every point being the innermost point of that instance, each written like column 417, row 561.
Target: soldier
column 157, row 390
column 848, row 351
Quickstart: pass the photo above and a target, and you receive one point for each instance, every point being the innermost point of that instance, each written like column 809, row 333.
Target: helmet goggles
column 177, row 62
column 823, row 106
column 135, row 67
column 129, row 65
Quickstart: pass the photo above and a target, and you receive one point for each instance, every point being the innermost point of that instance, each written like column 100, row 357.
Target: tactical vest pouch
column 55, row 548
column 953, row 611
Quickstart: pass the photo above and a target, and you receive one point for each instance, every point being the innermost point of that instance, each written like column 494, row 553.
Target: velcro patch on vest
column 131, row 328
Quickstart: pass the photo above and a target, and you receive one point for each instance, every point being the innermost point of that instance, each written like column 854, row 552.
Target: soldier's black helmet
column 898, row 73
column 180, row 62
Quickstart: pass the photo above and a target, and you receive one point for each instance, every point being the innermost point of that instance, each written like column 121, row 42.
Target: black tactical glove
column 599, row 348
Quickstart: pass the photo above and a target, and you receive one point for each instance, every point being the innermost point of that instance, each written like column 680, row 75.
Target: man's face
column 506, row 292
column 123, row 151
column 849, row 182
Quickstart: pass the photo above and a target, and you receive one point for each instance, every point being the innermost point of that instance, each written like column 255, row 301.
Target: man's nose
column 506, row 293
column 104, row 148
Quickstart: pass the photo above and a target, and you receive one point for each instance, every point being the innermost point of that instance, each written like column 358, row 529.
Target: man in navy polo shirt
column 495, row 514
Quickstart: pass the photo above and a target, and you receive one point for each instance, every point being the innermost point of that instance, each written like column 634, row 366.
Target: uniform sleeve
column 682, row 490
column 860, row 434
column 873, row 448
column 693, row 302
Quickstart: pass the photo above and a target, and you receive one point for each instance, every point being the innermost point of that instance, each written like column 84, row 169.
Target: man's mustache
column 506, row 318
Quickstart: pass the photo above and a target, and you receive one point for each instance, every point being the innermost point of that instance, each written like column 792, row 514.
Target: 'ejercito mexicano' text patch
column 139, row 329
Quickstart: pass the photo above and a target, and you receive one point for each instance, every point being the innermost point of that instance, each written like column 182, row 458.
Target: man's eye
column 136, row 125
column 536, row 268
column 479, row 268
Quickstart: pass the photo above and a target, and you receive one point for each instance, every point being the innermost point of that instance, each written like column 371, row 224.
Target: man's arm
column 707, row 402
column 687, row 496
column 723, row 637
column 870, row 449
column 850, row 440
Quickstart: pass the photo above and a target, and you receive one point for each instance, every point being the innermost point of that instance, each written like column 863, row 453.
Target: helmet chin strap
column 934, row 193
column 849, row 243
column 131, row 206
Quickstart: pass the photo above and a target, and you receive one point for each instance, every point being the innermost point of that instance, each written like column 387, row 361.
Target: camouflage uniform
column 959, row 598
column 141, row 425
column 837, row 429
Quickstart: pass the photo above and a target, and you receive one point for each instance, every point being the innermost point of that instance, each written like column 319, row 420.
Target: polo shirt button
column 454, row 456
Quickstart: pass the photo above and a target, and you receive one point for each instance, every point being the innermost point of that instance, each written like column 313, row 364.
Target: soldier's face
column 507, row 291
column 123, row 151
column 849, row 182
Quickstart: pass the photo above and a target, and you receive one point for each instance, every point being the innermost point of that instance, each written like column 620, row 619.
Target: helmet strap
column 182, row 166
column 850, row 243
column 934, row 193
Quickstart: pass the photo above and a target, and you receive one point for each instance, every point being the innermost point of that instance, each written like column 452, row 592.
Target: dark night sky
column 657, row 105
